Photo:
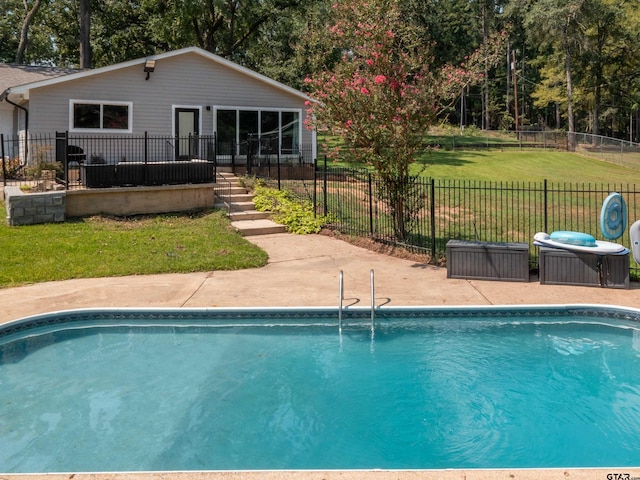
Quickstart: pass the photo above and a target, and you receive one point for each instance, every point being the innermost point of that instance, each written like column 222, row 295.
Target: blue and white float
column 613, row 221
column 577, row 242
column 613, row 216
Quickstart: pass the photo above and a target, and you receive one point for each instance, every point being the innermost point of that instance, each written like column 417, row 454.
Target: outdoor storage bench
column 564, row 267
column 488, row 260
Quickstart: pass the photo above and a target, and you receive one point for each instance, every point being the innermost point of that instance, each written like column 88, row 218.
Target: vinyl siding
column 186, row 80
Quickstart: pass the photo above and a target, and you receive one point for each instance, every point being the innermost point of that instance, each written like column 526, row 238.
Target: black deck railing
column 102, row 161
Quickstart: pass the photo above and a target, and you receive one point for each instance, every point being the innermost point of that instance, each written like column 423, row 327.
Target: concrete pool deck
column 304, row 270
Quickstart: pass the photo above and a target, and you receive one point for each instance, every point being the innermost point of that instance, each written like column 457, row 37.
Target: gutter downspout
column 5, row 96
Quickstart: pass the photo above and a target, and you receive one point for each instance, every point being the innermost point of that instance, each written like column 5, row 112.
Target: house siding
column 187, row 79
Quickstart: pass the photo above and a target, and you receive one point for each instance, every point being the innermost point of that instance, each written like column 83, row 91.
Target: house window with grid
column 274, row 129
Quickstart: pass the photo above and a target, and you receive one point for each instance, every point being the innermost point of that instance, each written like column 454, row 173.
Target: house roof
column 13, row 75
column 23, row 89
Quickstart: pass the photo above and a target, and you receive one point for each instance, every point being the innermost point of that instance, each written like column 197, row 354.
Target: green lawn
column 509, row 165
column 521, row 166
column 108, row 247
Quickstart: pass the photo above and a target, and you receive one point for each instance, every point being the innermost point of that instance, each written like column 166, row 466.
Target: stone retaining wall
column 32, row 208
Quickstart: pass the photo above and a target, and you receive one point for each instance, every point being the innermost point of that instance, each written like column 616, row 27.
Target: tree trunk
column 24, row 31
column 572, row 128
column 85, row 29
column 485, row 38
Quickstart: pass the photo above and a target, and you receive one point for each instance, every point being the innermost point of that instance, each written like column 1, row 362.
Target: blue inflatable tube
column 613, row 216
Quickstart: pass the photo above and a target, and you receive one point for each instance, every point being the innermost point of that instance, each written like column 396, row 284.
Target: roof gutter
column 5, row 96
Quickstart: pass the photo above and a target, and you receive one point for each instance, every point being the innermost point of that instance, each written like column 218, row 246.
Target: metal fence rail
column 468, row 210
column 102, row 161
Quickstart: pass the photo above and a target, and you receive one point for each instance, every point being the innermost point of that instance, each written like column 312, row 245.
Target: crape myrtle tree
column 381, row 94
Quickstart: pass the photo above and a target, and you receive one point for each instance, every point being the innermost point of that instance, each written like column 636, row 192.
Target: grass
column 510, row 165
column 521, row 166
column 109, row 247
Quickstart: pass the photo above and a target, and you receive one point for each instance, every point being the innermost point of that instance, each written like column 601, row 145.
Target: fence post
column 370, row 204
column 233, row 156
column 215, row 157
column 315, row 188
column 326, row 207
column 4, row 165
column 62, row 151
column 278, row 160
column 146, row 147
column 432, row 195
column 146, row 157
column 545, row 214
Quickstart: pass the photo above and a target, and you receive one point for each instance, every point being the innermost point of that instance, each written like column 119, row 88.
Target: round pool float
column 613, row 216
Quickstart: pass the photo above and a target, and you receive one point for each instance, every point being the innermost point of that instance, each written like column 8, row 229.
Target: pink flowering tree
column 382, row 94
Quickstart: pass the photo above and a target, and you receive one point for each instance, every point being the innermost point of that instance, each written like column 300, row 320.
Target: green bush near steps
column 295, row 214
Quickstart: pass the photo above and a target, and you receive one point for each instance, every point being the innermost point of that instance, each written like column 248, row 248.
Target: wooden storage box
column 488, row 261
column 564, row 267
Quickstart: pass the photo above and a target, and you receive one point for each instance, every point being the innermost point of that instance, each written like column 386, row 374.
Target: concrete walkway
column 302, row 271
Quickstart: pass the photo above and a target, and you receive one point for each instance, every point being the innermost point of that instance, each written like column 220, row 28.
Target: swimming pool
column 236, row 389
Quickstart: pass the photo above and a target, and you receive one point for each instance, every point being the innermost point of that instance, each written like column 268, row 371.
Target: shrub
column 295, row 214
column 11, row 167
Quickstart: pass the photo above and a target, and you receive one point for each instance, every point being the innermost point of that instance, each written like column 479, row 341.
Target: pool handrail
column 340, row 298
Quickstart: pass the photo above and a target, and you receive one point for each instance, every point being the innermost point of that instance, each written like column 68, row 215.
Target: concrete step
column 241, row 206
column 229, row 190
column 244, row 217
column 236, row 198
column 249, row 228
column 248, row 215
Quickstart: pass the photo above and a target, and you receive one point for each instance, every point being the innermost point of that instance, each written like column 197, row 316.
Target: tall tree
column 30, row 13
column 383, row 94
column 224, row 27
column 557, row 24
column 85, row 34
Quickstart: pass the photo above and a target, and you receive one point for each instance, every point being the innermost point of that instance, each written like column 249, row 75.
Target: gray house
column 183, row 94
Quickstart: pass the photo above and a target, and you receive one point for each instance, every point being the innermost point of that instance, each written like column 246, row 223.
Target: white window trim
column 259, row 110
column 102, row 103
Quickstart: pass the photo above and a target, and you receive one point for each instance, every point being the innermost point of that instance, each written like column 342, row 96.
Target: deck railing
column 102, row 161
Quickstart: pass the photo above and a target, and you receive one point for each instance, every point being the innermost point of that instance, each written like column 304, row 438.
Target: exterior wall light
column 149, row 66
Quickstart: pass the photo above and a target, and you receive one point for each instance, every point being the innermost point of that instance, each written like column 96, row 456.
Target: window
column 100, row 116
column 248, row 131
column 226, row 121
column 243, row 128
column 290, row 132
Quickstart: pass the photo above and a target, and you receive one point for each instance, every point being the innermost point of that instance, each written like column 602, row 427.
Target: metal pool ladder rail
column 373, row 301
column 341, row 298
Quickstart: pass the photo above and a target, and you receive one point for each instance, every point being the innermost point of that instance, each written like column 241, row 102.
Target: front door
column 187, row 125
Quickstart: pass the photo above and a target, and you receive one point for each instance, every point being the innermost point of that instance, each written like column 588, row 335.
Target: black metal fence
column 102, row 161
column 461, row 210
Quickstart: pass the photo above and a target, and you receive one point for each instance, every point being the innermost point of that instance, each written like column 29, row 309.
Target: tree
column 30, row 12
column 557, row 23
column 85, row 34
column 382, row 95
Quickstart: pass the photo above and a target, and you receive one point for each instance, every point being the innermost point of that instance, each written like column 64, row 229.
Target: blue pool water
column 218, row 390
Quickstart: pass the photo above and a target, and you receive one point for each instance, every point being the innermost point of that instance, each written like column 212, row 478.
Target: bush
column 295, row 214
column 11, row 167
column 35, row 171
